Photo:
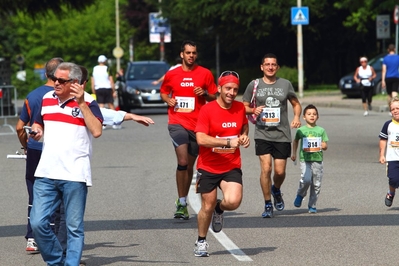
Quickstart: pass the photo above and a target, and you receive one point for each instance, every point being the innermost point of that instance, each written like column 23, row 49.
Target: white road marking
column 195, row 203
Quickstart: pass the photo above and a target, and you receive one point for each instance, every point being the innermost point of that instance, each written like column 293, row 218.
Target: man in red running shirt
column 186, row 89
column 221, row 129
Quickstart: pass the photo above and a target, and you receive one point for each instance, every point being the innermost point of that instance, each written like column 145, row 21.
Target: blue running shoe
column 389, row 199
column 312, row 210
column 268, row 213
column 278, row 199
column 298, row 201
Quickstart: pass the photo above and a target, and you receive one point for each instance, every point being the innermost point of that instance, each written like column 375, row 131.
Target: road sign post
column 383, row 28
column 299, row 17
column 396, row 20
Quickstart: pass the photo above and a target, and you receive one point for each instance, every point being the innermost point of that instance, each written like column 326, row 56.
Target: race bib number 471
column 184, row 104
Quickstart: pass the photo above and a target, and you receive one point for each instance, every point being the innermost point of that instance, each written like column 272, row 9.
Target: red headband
column 228, row 79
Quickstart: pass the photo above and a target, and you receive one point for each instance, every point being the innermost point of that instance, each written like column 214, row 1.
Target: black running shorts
column 206, row 181
column 278, row 150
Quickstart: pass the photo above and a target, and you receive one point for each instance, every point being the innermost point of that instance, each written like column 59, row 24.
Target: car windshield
column 376, row 62
column 146, row 71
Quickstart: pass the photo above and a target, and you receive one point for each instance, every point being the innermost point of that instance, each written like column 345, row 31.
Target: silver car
column 137, row 90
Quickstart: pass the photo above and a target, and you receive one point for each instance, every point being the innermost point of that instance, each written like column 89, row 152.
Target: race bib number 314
column 311, row 144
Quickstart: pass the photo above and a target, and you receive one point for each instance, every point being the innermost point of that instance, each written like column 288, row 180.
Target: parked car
column 137, row 90
column 350, row 88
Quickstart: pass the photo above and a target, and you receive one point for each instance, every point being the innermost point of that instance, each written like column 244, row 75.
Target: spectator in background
column 71, row 118
column 102, row 84
column 120, row 75
column 390, row 73
column 364, row 75
column 33, row 148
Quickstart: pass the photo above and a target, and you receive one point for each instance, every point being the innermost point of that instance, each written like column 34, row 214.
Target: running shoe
column 181, row 211
column 268, row 213
column 312, row 210
column 278, row 199
column 217, row 220
column 366, row 113
column 389, row 199
column 31, row 245
column 201, row 249
column 298, row 201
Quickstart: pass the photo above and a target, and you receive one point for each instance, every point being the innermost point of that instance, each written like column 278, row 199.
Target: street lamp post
column 118, row 61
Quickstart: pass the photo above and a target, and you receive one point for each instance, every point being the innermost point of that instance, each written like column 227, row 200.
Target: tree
column 35, row 7
column 361, row 12
column 76, row 36
column 339, row 32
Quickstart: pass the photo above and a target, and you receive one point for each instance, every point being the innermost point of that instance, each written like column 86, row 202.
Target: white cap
column 102, row 59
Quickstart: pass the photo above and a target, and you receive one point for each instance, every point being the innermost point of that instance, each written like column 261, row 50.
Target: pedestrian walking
column 364, row 76
column 70, row 118
column 32, row 148
column 102, row 84
column 390, row 74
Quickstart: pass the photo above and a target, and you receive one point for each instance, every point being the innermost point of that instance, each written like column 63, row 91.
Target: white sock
column 182, row 201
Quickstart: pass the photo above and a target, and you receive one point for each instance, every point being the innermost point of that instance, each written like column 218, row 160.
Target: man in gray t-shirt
column 272, row 129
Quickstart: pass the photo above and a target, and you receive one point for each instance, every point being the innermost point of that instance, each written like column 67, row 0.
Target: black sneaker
column 389, row 199
column 278, row 199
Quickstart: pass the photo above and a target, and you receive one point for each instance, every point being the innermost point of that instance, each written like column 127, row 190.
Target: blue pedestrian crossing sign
column 300, row 15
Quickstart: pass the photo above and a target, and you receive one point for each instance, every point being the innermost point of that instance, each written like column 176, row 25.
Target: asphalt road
column 129, row 210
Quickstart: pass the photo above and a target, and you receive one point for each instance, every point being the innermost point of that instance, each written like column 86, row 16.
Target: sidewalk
column 336, row 99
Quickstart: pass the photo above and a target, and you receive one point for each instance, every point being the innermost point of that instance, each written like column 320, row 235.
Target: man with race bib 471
column 186, row 89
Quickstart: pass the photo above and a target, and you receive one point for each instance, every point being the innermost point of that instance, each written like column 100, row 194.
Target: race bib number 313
column 270, row 116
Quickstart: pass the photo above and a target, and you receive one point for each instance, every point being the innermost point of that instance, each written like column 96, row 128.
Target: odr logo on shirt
column 75, row 111
column 229, row 124
column 187, row 84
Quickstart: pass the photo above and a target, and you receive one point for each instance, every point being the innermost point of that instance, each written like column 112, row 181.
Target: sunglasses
column 228, row 73
column 60, row 80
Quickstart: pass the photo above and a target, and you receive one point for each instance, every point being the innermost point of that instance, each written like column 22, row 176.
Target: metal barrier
column 8, row 108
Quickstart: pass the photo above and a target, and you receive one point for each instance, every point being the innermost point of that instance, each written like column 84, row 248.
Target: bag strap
column 256, row 82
